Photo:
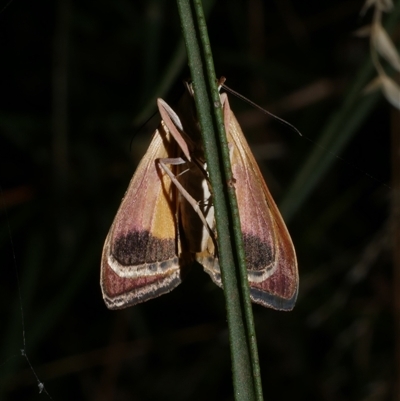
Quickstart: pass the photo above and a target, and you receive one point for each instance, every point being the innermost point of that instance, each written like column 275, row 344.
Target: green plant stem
column 234, row 210
column 205, row 97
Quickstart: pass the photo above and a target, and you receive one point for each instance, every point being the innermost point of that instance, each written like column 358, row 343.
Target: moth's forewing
column 270, row 255
column 141, row 253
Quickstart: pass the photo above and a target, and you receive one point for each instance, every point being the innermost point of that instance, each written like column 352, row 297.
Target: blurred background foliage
column 78, row 79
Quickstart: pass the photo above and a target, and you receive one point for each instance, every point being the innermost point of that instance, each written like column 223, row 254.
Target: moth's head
column 187, row 113
column 190, row 88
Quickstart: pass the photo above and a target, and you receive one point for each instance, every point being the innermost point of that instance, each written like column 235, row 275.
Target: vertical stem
column 238, row 246
column 206, row 102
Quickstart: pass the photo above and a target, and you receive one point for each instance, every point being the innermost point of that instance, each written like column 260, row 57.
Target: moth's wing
column 141, row 253
column 270, row 255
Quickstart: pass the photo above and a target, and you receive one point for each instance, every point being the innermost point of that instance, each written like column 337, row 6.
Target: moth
column 166, row 219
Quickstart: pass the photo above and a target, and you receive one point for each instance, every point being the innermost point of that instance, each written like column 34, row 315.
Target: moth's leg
column 195, row 205
column 173, row 124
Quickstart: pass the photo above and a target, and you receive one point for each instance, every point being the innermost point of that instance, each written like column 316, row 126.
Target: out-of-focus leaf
column 385, row 46
column 383, row 5
column 373, row 86
column 363, row 32
column 391, row 91
column 389, row 87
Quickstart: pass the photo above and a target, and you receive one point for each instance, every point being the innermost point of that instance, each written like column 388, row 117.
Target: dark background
column 77, row 80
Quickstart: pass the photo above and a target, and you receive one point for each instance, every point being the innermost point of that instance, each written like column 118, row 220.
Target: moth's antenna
column 281, row 120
